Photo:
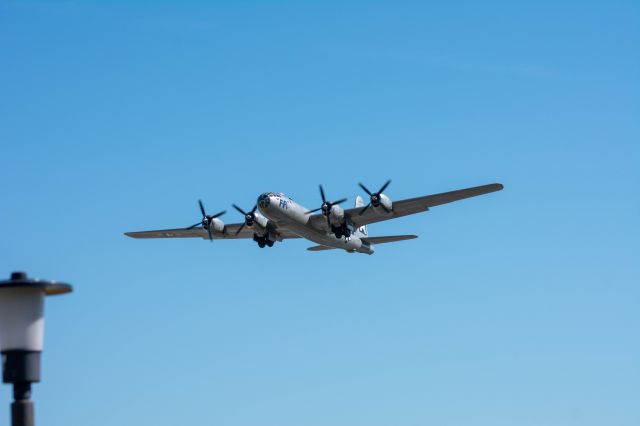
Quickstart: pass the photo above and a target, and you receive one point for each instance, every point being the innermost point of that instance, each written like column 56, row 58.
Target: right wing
column 228, row 234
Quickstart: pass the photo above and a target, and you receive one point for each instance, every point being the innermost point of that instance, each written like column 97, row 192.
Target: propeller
column 326, row 205
column 374, row 198
column 206, row 220
column 249, row 218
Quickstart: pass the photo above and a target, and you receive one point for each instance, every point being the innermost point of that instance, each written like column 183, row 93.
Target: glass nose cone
column 264, row 200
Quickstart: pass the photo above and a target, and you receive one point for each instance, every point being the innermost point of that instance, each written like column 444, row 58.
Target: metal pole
column 22, row 407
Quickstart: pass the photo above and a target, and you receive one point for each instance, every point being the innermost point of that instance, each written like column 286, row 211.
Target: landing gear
column 341, row 231
column 263, row 241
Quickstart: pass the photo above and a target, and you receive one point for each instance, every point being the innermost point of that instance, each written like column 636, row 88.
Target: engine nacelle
column 216, row 225
column 383, row 202
column 260, row 222
column 336, row 215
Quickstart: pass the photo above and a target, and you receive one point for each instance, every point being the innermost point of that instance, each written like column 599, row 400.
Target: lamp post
column 21, row 337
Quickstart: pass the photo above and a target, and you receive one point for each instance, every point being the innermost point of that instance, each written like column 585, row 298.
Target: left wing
column 418, row 204
column 408, row 206
column 228, row 234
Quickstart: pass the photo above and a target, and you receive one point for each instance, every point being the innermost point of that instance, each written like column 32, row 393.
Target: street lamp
column 21, row 337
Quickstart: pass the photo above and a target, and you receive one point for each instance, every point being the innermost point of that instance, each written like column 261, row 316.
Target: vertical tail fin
column 362, row 231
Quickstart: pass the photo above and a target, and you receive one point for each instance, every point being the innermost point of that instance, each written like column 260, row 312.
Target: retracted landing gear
column 263, row 241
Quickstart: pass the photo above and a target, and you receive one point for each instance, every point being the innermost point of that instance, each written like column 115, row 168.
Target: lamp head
column 22, row 311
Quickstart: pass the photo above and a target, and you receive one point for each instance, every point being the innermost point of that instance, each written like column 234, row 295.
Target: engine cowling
column 336, row 215
column 381, row 202
column 378, row 200
column 260, row 222
column 210, row 223
column 215, row 224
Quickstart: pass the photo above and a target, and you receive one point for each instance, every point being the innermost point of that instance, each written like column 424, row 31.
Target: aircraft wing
column 229, row 233
column 416, row 205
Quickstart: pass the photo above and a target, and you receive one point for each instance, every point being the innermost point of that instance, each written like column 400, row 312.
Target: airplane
column 277, row 217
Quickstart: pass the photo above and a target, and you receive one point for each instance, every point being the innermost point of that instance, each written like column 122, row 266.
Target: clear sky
column 516, row 308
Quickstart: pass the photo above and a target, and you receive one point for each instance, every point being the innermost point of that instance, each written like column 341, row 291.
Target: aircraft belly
column 318, row 237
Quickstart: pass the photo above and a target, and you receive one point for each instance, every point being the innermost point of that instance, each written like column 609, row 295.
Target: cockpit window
column 263, row 200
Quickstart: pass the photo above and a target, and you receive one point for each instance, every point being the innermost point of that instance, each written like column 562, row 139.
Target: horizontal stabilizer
column 320, row 248
column 371, row 240
column 389, row 239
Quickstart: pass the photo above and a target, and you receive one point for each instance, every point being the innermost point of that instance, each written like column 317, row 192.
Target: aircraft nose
column 264, row 200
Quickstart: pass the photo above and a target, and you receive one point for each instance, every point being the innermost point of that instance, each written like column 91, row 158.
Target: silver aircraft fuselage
column 286, row 213
column 276, row 217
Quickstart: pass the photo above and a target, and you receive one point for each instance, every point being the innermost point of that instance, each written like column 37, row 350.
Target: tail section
column 361, row 232
column 372, row 241
column 388, row 239
column 320, row 248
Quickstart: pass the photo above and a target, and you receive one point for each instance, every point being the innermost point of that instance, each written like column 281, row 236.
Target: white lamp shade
column 21, row 318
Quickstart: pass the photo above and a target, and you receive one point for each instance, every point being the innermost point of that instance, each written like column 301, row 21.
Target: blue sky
column 520, row 307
